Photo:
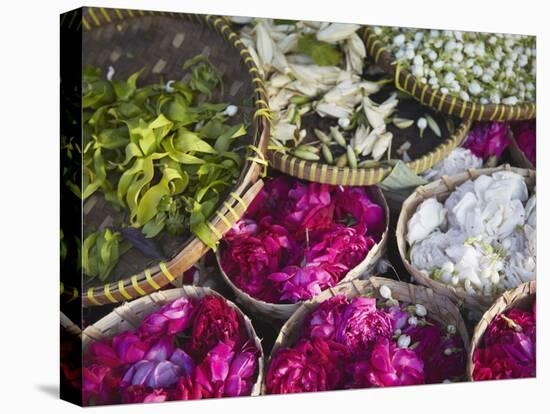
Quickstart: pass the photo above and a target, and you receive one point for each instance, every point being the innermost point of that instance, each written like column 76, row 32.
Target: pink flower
column 156, row 396
column 301, row 283
column 311, row 365
column 526, row 137
column 214, row 321
column 389, row 366
column 487, row 138
column 398, row 317
column 225, row 372
column 354, row 201
column 170, row 319
column 324, row 320
column 99, row 385
column 362, row 324
column 340, row 245
column 508, row 348
column 129, row 347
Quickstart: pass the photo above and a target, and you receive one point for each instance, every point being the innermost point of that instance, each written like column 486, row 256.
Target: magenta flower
column 99, row 384
column 322, row 322
column 526, row 137
column 299, row 283
column 508, row 348
column 355, row 202
column 362, row 324
column 170, row 319
column 129, row 347
column 389, row 366
column 486, row 139
column 311, row 365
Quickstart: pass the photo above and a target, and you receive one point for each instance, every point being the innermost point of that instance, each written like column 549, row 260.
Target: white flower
column 451, row 329
column 231, row 110
column 403, row 341
column 385, row 292
column 420, row 310
column 111, row 73
column 459, row 160
column 475, row 88
column 427, row 218
column 413, row 320
column 399, row 40
column 335, row 32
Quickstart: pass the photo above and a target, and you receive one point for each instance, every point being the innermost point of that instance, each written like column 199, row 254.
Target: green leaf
column 322, row 53
column 224, row 141
column 147, row 208
column 187, row 141
column 125, row 89
column 401, row 177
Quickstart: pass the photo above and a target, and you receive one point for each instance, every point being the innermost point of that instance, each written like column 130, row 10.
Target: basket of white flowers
column 472, row 75
column 471, row 236
column 334, row 120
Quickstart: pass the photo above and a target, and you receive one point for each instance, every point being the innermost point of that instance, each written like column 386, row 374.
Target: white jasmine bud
column 231, row 110
column 413, row 321
column 168, row 87
column 475, row 88
column 420, row 310
column 403, row 341
column 343, row 122
column 110, row 73
column 451, row 329
column 510, row 100
column 399, row 40
column 448, row 351
column 385, row 292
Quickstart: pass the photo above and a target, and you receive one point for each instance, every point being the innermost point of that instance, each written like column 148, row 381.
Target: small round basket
column 160, row 42
column 445, row 103
column 282, row 311
column 520, row 297
column 441, row 308
column 441, row 189
column 130, row 315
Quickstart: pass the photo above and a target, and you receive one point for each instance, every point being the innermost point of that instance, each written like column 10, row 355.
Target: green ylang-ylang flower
column 161, row 152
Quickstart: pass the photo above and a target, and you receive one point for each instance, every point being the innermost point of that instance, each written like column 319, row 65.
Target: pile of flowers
column 526, row 137
column 482, row 238
column 485, row 140
column 189, row 349
column 508, row 348
column 359, row 343
column 299, row 238
column 481, row 67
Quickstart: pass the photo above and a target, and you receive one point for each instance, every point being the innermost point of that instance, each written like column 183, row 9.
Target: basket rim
column 457, row 294
column 446, row 103
column 156, row 299
column 229, row 210
column 361, row 287
column 330, row 174
column 504, row 302
column 289, row 308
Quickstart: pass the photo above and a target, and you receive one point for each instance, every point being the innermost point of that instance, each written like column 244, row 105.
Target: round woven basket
column 446, row 103
column 160, row 42
column 518, row 157
column 130, row 315
column 330, row 174
column 439, row 307
column 441, row 189
column 282, row 311
column 520, row 297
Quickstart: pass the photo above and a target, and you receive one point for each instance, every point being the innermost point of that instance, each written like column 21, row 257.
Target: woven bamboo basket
column 129, row 316
column 441, row 189
column 439, row 307
column 518, row 157
column 520, row 297
column 429, row 152
column 282, row 311
column 445, row 103
column 160, row 42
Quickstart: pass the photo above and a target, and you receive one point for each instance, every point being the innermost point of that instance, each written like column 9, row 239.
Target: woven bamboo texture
column 130, row 315
column 441, row 189
column 446, row 103
column 329, row 174
column 522, row 296
column 277, row 311
column 160, row 42
column 439, row 307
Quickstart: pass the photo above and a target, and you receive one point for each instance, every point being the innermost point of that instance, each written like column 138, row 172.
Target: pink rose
column 324, row 320
column 526, row 137
column 486, row 139
column 171, row 319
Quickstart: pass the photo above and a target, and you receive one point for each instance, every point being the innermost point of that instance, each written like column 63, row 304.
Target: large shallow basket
column 130, row 315
column 281, row 312
column 446, row 103
column 160, row 42
column 329, row 174
column 439, row 307
column 520, row 297
column 441, row 189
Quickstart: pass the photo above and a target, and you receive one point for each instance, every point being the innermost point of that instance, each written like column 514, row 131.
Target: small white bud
column 343, row 122
column 448, row 351
column 420, row 310
column 231, row 110
column 451, row 329
column 385, row 292
column 110, row 73
column 413, row 321
column 403, row 341
column 168, row 87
